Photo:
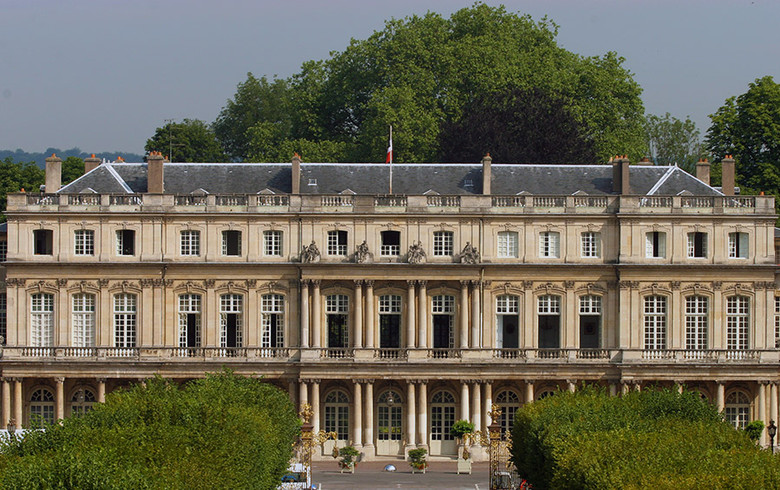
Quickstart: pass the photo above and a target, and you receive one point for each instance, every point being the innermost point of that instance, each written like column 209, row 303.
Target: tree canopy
column 224, row 431
column 188, row 141
column 672, row 141
column 424, row 74
column 15, row 176
column 748, row 127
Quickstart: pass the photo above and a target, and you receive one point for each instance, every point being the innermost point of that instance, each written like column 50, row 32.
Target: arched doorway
column 509, row 402
column 41, row 408
column 336, row 419
column 442, row 418
column 737, row 410
column 82, row 401
column 389, row 420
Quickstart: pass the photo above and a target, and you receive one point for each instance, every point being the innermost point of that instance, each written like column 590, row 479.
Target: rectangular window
column 42, row 320
column 84, row 242
column 655, row 245
column 189, row 320
column 125, row 242
column 549, row 244
column 590, row 322
column 231, row 320
column 506, row 305
column 124, row 320
column 655, row 322
column 443, row 243
column 697, row 245
column 737, row 322
column 696, row 322
column 738, row 245
column 231, row 243
column 548, row 309
column 272, row 320
column 272, row 243
column 3, row 251
column 337, row 242
column 83, row 320
column 337, row 309
column 590, row 242
column 391, row 243
column 507, row 244
column 190, row 242
column 43, row 242
column 443, row 310
column 389, row 321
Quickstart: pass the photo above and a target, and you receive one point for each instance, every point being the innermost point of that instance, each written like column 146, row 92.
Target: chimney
column 645, row 161
column 91, row 163
column 727, row 175
column 703, row 171
column 296, row 174
column 154, row 173
column 53, row 174
column 620, row 169
column 486, row 174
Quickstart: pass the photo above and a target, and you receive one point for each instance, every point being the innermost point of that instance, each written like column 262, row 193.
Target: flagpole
column 391, row 159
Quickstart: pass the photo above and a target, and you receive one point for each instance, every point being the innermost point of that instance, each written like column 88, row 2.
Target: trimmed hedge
column 651, row 439
column 224, row 431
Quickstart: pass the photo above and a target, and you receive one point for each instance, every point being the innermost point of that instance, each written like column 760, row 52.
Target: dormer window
column 468, row 183
column 312, row 181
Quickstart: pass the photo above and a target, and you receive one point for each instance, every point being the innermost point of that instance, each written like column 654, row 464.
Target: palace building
column 395, row 299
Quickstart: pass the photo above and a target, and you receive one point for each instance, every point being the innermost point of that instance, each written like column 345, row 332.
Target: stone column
column 368, row 402
column 720, row 396
column 303, row 394
column 529, row 391
column 18, row 415
column 422, row 414
column 304, row 313
column 463, row 308
column 291, row 389
column 613, row 389
column 370, row 342
column 315, row 405
column 464, row 401
column 357, row 409
column 773, row 402
column 571, row 385
column 762, row 408
column 625, row 387
column 422, row 315
column 475, row 315
column 357, row 336
column 101, row 390
column 411, row 411
column 476, row 407
column 59, row 398
column 488, row 406
column 6, row 404
column 410, row 314
column 316, row 314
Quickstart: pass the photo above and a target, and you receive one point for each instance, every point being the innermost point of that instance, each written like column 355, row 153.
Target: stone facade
column 392, row 315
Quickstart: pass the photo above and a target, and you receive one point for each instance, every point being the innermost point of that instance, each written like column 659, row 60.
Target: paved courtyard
column 370, row 475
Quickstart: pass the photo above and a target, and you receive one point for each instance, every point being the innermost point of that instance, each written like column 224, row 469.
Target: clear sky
column 103, row 74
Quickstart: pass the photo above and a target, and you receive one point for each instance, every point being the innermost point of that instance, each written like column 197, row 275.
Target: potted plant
column 417, row 459
column 349, row 456
column 461, row 430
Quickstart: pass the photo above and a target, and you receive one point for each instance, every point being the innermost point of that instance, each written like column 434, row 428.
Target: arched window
column 41, row 408
column 42, row 320
column 83, row 320
column 189, row 320
column 507, row 322
column 272, row 320
column 125, row 308
column 508, row 402
column 545, row 392
column 655, row 322
column 231, row 320
column 737, row 409
column 390, row 415
column 737, row 322
column 337, row 414
column 696, row 322
column 82, row 401
column 442, row 416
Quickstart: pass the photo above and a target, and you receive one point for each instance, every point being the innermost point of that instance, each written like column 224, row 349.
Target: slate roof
column 371, row 178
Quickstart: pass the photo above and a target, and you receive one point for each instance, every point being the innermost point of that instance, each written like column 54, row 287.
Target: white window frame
column 389, row 250
column 270, row 305
column 120, row 242
column 507, row 304
column 231, row 303
column 84, row 242
column 590, row 244
column 272, row 243
column 42, row 320
column 656, row 323
column 189, row 243
column 83, row 319
column 335, row 246
column 739, row 243
column 737, row 322
column 443, row 243
column 125, row 320
column 697, row 309
column 549, row 245
column 651, row 251
column 691, row 241
column 548, row 304
column 508, row 244
column 226, row 242
column 190, row 304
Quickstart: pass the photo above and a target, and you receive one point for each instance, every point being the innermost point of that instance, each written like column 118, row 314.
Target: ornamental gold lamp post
column 309, row 440
column 494, row 448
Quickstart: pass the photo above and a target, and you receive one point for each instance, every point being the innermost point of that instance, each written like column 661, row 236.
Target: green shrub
column 754, row 430
column 224, row 431
column 461, row 428
column 654, row 439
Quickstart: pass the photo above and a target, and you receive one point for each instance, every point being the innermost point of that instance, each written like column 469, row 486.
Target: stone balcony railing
column 486, row 355
column 269, row 203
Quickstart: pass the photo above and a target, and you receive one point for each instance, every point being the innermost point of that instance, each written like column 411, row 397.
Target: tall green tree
column 672, row 141
column 519, row 126
column 748, row 127
column 15, row 176
column 257, row 100
column 72, row 169
column 188, row 141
